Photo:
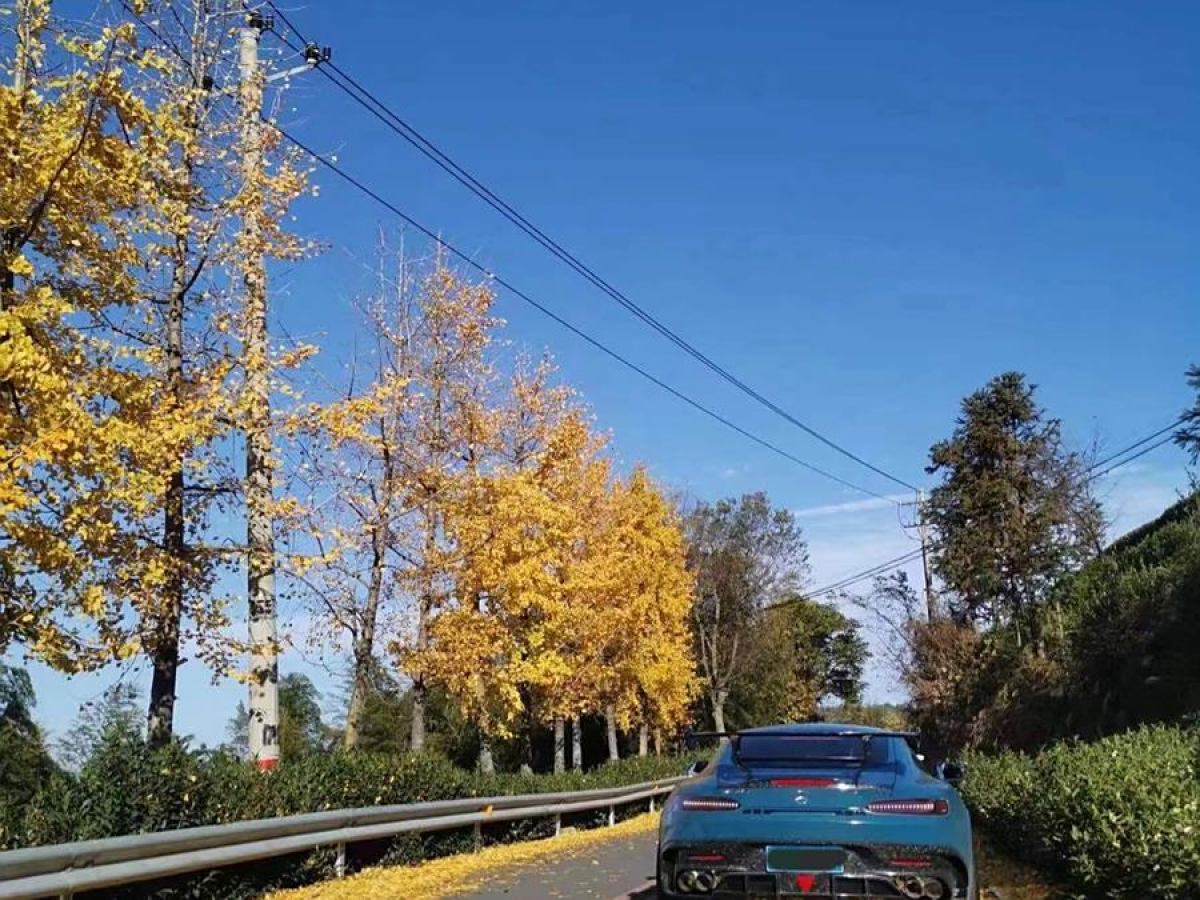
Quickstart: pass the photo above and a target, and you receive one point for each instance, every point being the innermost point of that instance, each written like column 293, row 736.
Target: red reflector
column 911, row 862
column 910, row 807
column 706, row 857
column 806, row 882
column 802, row 782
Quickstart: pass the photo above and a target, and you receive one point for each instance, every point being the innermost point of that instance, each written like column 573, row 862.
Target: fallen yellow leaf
column 460, row 874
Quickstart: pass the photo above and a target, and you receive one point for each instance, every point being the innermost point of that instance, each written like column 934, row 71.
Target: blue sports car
column 828, row 811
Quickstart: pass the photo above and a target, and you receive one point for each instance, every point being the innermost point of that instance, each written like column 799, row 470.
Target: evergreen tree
column 1188, row 436
column 1014, row 511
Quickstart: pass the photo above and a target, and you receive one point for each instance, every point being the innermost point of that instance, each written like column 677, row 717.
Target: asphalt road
column 624, row 869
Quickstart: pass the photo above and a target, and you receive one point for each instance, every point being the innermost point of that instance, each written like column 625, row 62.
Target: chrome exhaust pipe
column 910, row 886
column 933, row 888
column 705, row 882
column 686, row 882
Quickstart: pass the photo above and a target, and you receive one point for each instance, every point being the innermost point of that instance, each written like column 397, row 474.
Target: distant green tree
column 802, row 656
column 387, row 715
column 743, row 553
column 117, row 710
column 25, row 764
column 301, row 729
column 878, row 715
column 1014, row 512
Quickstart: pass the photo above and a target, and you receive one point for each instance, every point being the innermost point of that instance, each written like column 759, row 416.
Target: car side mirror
column 697, row 767
column 951, row 772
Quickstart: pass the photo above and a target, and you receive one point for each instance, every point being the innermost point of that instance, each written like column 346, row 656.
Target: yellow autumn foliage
column 89, row 433
column 581, row 594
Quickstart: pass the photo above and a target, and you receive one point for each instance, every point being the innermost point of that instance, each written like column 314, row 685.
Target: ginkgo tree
column 449, row 504
column 501, row 648
column 644, row 617
column 380, row 465
column 120, row 375
column 87, row 437
column 586, row 596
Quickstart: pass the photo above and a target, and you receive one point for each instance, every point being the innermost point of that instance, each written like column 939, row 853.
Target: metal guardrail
column 64, row 869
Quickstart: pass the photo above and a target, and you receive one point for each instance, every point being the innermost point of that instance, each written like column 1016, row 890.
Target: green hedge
column 1119, row 817
column 126, row 788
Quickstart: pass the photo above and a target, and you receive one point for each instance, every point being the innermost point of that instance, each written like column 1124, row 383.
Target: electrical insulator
column 314, row 55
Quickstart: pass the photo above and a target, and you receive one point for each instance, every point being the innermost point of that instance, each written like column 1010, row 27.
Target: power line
column 1137, row 444
column 879, row 569
column 1129, row 459
column 376, row 107
column 848, row 580
column 545, row 310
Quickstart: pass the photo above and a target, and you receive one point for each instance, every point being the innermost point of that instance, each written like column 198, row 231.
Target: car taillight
column 710, row 804
column 910, row 807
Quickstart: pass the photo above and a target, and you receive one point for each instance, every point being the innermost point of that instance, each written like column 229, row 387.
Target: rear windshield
column 809, row 749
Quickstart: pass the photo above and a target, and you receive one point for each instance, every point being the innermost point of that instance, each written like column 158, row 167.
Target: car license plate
column 805, row 859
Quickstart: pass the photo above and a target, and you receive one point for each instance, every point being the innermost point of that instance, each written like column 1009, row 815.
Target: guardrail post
column 612, row 815
column 651, row 803
column 339, row 865
column 478, row 831
column 557, row 824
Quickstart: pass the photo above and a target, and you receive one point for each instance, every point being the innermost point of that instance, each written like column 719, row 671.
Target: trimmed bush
column 1119, row 817
column 126, row 788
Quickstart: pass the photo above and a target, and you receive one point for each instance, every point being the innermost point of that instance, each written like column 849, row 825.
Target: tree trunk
column 658, row 747
column 560, row 745
column 643, row 740
column 164, row 645
column 364, row 640
column 577, row 744
column 487, row 765
column 718, row 710
column 424, row 610
column 610, row 725
column 416, row 734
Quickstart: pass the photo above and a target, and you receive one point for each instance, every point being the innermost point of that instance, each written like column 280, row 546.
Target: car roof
column 816, row 728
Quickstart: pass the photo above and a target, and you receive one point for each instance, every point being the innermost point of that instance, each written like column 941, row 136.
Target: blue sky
column 865, row 210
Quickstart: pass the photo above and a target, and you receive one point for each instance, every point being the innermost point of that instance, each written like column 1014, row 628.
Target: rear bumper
column 727, row 871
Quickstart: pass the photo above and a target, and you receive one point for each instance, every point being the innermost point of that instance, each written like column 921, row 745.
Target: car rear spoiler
column 695, row 736
column 734, row 737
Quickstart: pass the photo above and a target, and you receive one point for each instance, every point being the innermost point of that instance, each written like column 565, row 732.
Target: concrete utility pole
column 11, row 236
column 923, row 531
column 260, row 536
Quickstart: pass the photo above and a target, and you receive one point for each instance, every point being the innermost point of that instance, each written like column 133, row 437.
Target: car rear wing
column 734, row 737
column 696, row 736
